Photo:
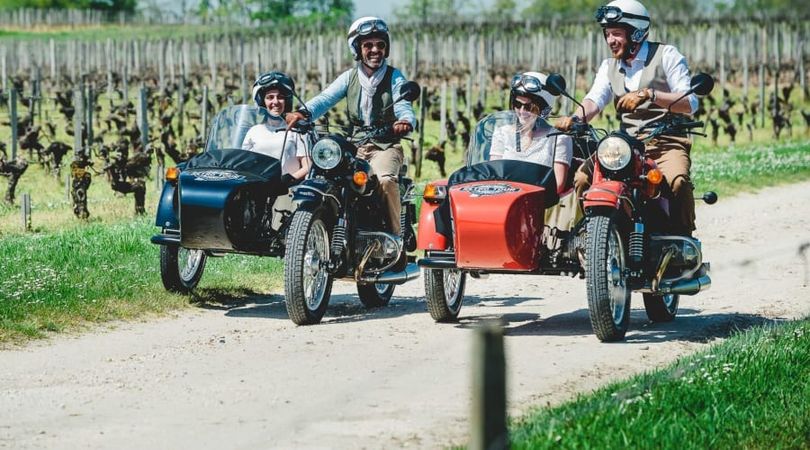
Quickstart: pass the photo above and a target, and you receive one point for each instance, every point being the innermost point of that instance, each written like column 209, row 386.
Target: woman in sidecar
column 233, row 198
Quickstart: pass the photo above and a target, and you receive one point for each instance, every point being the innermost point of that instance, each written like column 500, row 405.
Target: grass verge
column 97, row 273
column 749, row 391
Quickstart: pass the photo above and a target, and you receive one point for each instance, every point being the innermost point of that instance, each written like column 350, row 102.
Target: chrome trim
column 296, row 188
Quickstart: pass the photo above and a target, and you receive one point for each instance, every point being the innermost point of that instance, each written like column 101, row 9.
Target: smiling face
column 526, row 109
column 372, row 51
column 274, row 102
column 617, row 39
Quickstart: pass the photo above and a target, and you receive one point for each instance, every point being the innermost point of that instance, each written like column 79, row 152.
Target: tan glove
column 293, row 118
column 565, row 123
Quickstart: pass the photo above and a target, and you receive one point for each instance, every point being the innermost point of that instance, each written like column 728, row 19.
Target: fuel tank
column 497, row 225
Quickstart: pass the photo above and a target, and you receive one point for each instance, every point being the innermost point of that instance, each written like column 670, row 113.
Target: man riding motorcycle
column 642, row 78
column 370, row 89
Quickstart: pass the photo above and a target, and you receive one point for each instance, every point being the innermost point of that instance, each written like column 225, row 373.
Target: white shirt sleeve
column 498, row 145
column 601, row 93
column 677, row 71
column 565, row 149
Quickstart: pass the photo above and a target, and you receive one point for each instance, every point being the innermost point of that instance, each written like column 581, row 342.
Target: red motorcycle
column 504, row 216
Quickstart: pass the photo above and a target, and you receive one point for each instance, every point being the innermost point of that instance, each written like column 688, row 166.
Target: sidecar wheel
column 605, row 270
column 180, row 268
column 375, row 295
column 444, row 290
column 307, row 283
column 661, row 308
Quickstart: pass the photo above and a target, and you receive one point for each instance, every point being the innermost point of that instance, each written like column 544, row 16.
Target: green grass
column 96, row 273
column 750, row 391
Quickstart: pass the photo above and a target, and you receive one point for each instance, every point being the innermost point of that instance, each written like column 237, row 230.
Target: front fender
column 166, row 216
column 606, row 193
column 314, row 193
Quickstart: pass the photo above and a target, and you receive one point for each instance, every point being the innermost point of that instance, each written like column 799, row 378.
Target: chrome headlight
column 326, row 154
column 614, row 153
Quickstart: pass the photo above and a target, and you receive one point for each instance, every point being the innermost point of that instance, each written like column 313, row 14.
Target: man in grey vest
column 643, row 78
column 370, row 89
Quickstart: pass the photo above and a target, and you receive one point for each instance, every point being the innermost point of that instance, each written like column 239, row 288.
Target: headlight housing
column 326, row 154
column 614, row 153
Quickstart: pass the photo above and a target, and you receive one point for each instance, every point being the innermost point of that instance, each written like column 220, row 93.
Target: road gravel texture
column 243, row 376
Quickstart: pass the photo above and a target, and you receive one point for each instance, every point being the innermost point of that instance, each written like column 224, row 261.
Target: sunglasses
column 528, row 82
column 369, row 45
column 614, row 14
column 528, row 106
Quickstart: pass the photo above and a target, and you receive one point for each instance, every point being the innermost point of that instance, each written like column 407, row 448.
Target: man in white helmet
column 643, row 78
column 370, row 89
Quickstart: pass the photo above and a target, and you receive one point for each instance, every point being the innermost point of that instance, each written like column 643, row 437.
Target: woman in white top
column 273, row 91
column 527, row 139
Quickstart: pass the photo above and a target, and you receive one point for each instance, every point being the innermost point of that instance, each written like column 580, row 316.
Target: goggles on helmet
column 613, row 14
column 527, row 82
column 372, row 26
column 275, row 78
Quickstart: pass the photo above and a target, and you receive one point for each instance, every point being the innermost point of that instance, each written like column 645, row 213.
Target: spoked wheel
column 181, row 268
column 307, row 283
column 661, row 308
column 375, row 295
column 444, row 289
column 608, row 290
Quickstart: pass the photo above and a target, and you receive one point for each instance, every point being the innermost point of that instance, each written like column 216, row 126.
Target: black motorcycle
column 335, row 231
column 224, row 200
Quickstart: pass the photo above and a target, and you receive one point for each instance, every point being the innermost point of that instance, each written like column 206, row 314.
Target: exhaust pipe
column 689, row 287
column 411, row 272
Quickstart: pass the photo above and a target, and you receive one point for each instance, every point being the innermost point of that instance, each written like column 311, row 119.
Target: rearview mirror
column 409, row 91
column 555, row 84
column 702, row 84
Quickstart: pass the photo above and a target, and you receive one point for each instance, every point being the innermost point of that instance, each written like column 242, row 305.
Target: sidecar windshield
column 496, row 137
column 229, row 127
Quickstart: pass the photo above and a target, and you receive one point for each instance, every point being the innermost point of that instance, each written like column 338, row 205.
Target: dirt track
column 246, row 377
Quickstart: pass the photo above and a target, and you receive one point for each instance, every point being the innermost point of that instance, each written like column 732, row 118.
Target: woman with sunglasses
column 273, row 94
column 370, row 89
column 528, row 138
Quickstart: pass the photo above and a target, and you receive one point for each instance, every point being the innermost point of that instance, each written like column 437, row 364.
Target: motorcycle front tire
column 375, row 295
column 307, row 283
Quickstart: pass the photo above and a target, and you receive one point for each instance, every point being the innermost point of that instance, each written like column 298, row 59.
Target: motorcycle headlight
column 614, row 153
column 326, row 154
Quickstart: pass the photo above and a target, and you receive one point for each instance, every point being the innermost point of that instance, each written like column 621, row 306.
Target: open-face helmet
column 629, row 14
column 274, row 80
column 533, row 86
column 368, row 27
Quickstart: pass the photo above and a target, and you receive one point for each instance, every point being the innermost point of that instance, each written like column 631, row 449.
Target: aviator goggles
column 275, row 78
column 372, row 26
column 527, row 82
column 612, row 14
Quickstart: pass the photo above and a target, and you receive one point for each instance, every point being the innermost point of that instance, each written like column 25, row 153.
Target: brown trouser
column 385, row 164
column 671, row 154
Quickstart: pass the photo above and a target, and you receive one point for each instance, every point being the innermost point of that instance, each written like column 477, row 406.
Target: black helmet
column 274, row 80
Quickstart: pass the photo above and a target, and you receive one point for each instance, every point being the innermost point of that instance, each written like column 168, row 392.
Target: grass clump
column 750, row 391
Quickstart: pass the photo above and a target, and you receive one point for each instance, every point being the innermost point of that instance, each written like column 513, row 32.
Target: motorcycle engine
column 685, row 256
column 381, row 250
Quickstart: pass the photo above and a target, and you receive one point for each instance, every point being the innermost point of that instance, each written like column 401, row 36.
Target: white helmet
column 368, row 26
column 628, row 12
column 533, row 85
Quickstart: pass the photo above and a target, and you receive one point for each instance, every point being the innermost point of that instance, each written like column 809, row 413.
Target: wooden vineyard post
column 12, row 109
column 443, row 114
column 25, row 209
column 422, row 115
column 181, row 97
column 761, row 95
column 80, row 176
column 488, row 412
column 204, row 114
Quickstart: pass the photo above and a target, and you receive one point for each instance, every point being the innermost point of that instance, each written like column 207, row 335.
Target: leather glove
column 630, row 101
column 292, row 118
column 402, row 127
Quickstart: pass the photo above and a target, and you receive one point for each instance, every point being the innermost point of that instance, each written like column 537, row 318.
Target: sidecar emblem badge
column 216, row 175
column 482, row 190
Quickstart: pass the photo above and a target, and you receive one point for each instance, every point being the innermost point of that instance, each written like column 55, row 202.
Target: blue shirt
column 336, row 92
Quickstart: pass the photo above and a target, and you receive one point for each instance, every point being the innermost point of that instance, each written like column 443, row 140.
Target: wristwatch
column 642, row 93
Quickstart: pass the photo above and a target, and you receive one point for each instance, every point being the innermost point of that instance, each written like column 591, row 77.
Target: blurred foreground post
column 488, row 413
column 26, row 212
column 80, row 176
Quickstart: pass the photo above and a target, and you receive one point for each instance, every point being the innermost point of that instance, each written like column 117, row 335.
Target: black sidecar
column 224, row 200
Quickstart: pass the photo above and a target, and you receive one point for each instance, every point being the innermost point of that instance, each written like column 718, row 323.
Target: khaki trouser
column 671, row 155
column 386, row 164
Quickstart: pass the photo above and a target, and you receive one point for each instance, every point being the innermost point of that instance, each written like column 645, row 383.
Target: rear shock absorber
column 636, row 244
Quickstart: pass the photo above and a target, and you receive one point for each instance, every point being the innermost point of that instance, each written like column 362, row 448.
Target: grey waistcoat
column 652, row 76
column 383, row 98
